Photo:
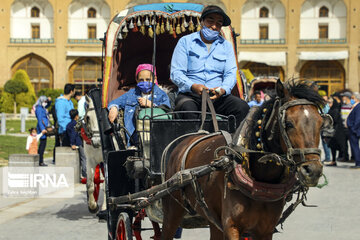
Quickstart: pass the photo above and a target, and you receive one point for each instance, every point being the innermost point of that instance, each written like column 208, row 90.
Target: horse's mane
column 298, row 88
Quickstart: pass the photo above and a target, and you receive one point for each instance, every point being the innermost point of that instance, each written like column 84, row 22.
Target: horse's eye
column 288, row 125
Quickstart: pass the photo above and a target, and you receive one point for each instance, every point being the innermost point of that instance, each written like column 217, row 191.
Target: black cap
column 215, row 9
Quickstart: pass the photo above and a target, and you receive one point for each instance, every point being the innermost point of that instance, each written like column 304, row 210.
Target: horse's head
column 91, row 126
column 300, row 123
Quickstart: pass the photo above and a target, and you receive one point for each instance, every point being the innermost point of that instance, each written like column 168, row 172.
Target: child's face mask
column 44, row 104
column 145, row 86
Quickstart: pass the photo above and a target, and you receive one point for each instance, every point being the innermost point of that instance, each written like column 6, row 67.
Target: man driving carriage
column 205, row 60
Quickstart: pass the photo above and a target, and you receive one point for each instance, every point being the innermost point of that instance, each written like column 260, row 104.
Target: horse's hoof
column 102, row 215
column 94, row 210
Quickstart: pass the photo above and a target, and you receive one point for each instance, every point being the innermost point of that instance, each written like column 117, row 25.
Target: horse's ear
column 281, row 91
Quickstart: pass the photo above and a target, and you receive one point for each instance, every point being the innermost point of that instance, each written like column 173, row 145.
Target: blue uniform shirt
column 63, row 107
column 193, row 63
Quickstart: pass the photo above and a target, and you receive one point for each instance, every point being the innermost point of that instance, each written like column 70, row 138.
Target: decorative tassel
column 185, row 23
column 167, row 25
column 135, row 29
column 198, row 26
column 120, row 36
column 131, row 25
column 178, row 29
column 142, row 29
column 125, row 30
column 157, row 29
column 151, row 32
column 153, row 21
column 162, row 28
column 138, row 22
column 171, row 30
column 125, row 35
column 191, row 25
column 147, row 23
column 183, row 28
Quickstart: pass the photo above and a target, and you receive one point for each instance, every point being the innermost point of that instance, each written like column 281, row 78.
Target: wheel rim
column 120, row 231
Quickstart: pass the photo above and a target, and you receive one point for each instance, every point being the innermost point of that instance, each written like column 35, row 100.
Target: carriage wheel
column 97, row 181
column 123, row 227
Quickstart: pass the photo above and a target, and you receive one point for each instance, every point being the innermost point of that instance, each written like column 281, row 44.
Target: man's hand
column 44, row 131
column 144, row 102
column 73, row 147
column 113, row 114
column 198, row 88
column 217, row 92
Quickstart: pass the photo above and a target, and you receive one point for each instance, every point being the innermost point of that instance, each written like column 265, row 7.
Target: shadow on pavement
column 75, row 212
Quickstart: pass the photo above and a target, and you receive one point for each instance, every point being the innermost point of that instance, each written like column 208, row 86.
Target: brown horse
column 290, row 127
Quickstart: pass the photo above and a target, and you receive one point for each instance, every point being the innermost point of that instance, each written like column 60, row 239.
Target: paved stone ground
column 336, row 218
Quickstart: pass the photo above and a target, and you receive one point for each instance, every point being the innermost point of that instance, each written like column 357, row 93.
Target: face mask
column 33, row 134
column 352, row 101
column 209, row 34
column 44, row 104
column 145, row 87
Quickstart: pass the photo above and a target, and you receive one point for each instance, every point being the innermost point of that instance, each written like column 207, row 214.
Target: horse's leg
column 231, row 231
column 90, row 170
column 173, row 215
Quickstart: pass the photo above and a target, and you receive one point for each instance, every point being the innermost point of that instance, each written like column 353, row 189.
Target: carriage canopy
column 129, row 42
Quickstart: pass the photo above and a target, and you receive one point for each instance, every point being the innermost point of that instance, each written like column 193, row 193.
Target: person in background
column 63, row 105
column 32, row 141
column 257, row 100
column 75, row 140
column 345, row 110
column 138, row 96
column 325, row 110
column 336, row 143
column 81, row 104
column 205, row 60
column 43, row 121
column 353, row 123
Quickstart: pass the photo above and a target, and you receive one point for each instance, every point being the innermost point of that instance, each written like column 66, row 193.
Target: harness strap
column 206, row 100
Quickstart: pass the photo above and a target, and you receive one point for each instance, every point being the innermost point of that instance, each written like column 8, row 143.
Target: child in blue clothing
column 138, row 96
column 75, row 140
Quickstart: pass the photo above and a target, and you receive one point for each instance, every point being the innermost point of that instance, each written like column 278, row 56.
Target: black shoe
column 42, row 164
column 342, row 160
column 331, row 164
column 355, row 167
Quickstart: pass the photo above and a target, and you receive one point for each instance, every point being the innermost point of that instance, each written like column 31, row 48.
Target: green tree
column 15, row 87
column 25, row 99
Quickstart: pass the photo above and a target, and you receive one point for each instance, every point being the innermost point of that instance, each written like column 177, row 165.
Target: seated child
column 32, row 140
column 75, row 140
column 138, row 96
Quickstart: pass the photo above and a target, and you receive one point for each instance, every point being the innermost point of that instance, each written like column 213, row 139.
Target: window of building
column 91, row 32
column 263, row 70
column 329, row 75
column 39, row 72
column 85, row 72
column 35, row 12
column 35, row 31
column 323, row 31
column 264, row 12
column 263, row 32
column 324, row 12
column 91, row 13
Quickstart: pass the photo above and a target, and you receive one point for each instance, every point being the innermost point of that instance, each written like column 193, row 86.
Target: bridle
column 90, row 136
column 291, row 151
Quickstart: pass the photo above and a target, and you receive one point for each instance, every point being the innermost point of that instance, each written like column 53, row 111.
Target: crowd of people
column 65, row 117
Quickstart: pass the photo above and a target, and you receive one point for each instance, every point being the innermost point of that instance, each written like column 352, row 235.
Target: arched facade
column 81, row 25
column 323, row 19
column 23, row 16
column 39, row 70
column 263, row 70
column 262, row 20
column 84, row 73
column 329, row 75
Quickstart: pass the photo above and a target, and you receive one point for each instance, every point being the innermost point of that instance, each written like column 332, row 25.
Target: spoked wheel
column 97, row 181
column 123, row 227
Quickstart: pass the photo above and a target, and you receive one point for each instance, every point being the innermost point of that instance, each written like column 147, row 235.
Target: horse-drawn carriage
column 233, row 180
